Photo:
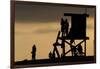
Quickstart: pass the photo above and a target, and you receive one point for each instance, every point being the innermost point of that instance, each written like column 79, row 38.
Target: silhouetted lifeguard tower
column 77, row 32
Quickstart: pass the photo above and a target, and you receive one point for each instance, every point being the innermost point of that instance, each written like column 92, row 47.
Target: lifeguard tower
column 76, row 32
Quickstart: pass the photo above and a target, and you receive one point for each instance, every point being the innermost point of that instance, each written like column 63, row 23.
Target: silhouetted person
column 62, row 25
column 75, row 51
column 73, row 48
column 80, row 50
column 66, row 26
column 33, row 52
column 50, row 55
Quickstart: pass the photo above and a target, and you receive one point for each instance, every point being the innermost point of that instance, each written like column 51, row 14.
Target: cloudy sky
column 39, row 25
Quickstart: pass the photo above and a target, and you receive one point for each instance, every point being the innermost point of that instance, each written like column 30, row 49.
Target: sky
column 39, row 25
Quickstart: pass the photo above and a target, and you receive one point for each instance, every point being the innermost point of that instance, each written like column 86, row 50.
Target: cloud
column 37, row 31
column 46, row 30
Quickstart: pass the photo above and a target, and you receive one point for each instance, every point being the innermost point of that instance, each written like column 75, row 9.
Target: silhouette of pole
column 33, row 52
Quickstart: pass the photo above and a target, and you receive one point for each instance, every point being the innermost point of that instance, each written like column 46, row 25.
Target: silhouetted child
column 50, row 55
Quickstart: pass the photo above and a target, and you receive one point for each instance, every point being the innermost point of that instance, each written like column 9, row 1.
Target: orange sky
column 43, row 33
